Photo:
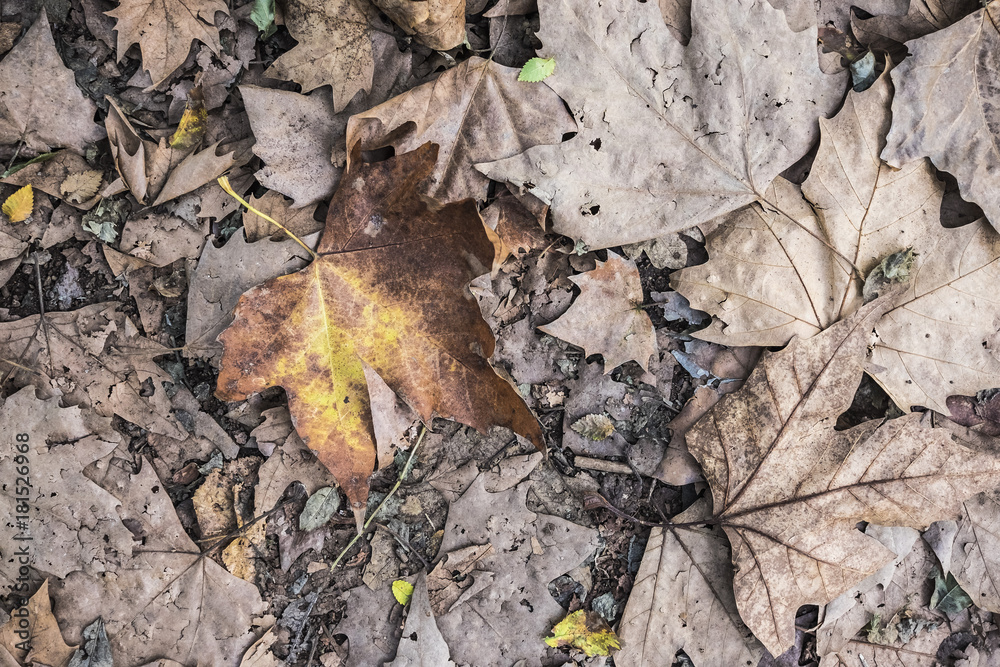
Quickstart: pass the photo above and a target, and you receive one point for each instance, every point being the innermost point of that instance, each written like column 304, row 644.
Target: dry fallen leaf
column 298, row 221
column 975, row 561
column 334, row 47
column 607, row 317
column 490, row 612
column 39, row 101
column 34, row 625
column 784, row 267
column 92, row 357
column 952, row 119
column 65, row 175
column 789, row 490
column 683, row 599
column 475, row 112
column 669, row 136
column 889, row 32
column 437, row 24
column 421, row 643
column 177, row 24
column 389, row 289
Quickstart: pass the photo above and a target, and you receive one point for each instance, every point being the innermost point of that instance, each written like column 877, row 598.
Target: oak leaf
column 794, row 264
column 475, row 112
column 789, row 490
column 953, row 119
column 607, row 317
column 39, row 100
column 388, row 290
column 164, row 31
column 669, row 136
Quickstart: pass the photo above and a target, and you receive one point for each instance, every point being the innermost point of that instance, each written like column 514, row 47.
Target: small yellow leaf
column 19, row 205
column 194, row 123
column 402, row 590
column 584, row 630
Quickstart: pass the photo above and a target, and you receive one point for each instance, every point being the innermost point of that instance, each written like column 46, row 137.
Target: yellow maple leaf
column 19, row 205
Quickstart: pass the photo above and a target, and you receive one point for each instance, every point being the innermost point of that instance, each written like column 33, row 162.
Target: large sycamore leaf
column 793, row 265
column 389, row 290
column 947, row 106
column 789, row 490
column 164, row 30
column 670, row 137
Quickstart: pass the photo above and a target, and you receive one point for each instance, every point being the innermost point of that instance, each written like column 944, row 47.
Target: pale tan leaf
column 789, row 489
column 34, row 625
column 476, row 111
column 334, row 47
column 976, row 556
column 683, row 599
column 194, row 171
column 889, row 32
column 947, row 107
column 80, row 186
column 607, row 318
column 39, row 100
column 49, row 175
column 298, row 221
column 164, row 30
column 437, row 24
column 669, row 136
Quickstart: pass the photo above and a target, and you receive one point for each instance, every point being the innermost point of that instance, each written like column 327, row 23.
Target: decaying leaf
column 421, row 643
column 298, row 221
column 683, row 599
column 39, row 100
column 788, row 489
column 889, row 32
column 18, row 206
column 80, row 187
column 669, row 136
column 490, row 612
column 607, row 317
column 334, row 47
column 164, row 31
column 790, row 267
column 92, row 357
column 586, row 631
column 594, row 426
column 476, row 111
column 953, row 119
column 437, row 24
column 33, row 625
column 388, row 290
column 976, row 552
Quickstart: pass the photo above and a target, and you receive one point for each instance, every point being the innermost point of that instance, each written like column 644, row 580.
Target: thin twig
column 402, row 476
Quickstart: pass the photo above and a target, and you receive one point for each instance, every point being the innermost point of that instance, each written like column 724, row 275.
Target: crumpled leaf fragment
column 437, row 24
column 586, row 631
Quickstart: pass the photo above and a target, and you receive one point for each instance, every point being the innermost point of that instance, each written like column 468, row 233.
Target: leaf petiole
column 224, row 184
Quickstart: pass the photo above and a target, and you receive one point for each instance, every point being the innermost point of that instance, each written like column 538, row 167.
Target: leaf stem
column 392, row 491
column 224, row 184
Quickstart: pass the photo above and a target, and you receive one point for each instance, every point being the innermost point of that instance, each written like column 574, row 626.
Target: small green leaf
column 584, row 630
column 537, row 69
column 263, row 17
column 402, row 590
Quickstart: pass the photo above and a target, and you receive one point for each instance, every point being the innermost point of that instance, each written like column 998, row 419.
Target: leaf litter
column 183, row 528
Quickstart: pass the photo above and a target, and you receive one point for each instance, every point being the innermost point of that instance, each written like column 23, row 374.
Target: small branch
column 392, row 492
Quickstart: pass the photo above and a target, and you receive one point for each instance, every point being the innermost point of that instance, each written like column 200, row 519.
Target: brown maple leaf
column 388, row 290
column 789, row 489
